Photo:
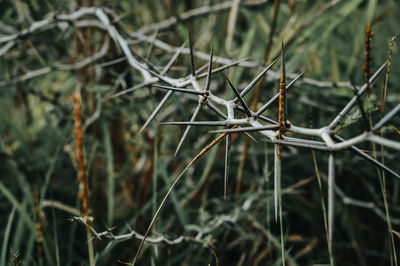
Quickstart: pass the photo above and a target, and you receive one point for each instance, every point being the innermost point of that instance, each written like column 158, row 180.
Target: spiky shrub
column 185, row 209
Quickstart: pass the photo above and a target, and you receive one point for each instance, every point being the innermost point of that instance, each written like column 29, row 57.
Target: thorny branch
column 103, row 19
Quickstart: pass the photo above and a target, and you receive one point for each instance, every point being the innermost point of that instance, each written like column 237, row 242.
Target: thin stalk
column 323, row 209
column 276, row 173
column 155, row 172
column 242, row 163
column 382, row 182
column 110, row 173
column 331, row 194
column 54, row 224
column 279, row 200
column 227, row 162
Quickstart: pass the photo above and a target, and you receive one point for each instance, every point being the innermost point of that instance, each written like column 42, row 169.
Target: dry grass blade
column 198, row 156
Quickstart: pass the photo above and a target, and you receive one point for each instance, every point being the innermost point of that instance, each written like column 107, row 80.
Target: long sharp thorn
column 276, row 173
column 191, row 51
column 363, row 115
column 245, row 129
column 216, row 110
column 209, row 69
column 153, row 114
column 331, row 203
column 276, row 96
column 242, row 102
column 251, row 85
column 179, row 89
column 196, row 112
column 219, row 69
column 266, row 119
column 227, row 161
column 173, row 59
column 386, row 118
column 251, row 137
column 196, row 123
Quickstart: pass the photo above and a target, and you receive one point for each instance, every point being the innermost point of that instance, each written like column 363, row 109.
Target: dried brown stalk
column 368, row 58
column 38, row 226
column 282, row 115
column 82, row 178
column 78, row 133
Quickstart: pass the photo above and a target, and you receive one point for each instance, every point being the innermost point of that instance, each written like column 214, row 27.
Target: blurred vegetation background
column 129, row 172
